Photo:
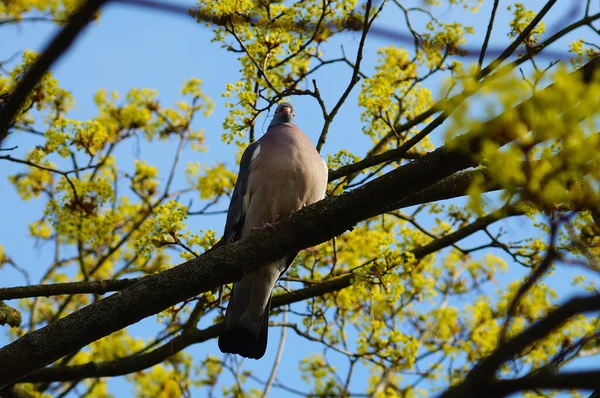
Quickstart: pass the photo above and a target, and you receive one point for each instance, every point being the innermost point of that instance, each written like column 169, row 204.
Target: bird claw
column 266, row 225
column 302, row 207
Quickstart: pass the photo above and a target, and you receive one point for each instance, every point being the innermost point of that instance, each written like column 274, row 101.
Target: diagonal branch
column 61, row 42
column 449, row 105
column 355, row 73
column 483, row 373
column 584, row 380
column 488, row 33
column 140, row 362
column 308, row 227
column 519, row 40
column 374, row 158
column 448, row 188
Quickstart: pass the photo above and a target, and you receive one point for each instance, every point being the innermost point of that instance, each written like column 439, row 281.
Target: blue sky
column 134, row 48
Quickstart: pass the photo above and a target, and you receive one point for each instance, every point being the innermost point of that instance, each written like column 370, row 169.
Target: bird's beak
column 287, row 110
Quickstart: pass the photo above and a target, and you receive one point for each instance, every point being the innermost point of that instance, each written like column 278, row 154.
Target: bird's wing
column 326, row 176
column 238, row 205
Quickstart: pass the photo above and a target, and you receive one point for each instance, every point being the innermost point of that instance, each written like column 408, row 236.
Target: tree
column 401, row 302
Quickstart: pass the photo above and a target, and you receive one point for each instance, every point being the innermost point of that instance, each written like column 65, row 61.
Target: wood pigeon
column 279, row 174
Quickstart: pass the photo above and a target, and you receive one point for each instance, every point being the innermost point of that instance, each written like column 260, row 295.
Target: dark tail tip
column 243, row 342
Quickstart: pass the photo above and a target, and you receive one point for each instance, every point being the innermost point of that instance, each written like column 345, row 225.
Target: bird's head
column 283, row 114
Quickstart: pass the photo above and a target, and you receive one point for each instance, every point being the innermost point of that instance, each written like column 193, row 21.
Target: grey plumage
column 280, row 173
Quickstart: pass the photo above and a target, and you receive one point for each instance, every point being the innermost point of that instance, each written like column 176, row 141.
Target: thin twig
column 488, row 34
column 84, row 287
column 273, row 374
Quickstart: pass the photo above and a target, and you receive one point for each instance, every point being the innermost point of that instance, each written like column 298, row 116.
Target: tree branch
column 448, row 105
column 374, row 159
column 585, row 380
column 519, row 40
column 308, row 227
column 355, row 74
column 484, row 372
column 61, row 42
column 96, row 287
column 488, row 33
column 449, row 188
column 140, row 362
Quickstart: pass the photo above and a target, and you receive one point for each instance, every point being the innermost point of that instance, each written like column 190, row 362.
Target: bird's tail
column 246, row 339
column 247, row 319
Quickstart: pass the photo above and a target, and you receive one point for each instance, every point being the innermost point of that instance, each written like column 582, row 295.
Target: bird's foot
column 301, row 207
column 266, row 225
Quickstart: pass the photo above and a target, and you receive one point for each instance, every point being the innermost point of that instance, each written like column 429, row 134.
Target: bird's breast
column 283, row 181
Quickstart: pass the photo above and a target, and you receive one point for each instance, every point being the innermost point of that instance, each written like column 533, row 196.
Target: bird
column 279, row 174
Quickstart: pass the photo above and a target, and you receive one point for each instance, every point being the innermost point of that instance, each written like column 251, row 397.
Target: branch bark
column 143, row 361
column 585, row 380
column 308, row 227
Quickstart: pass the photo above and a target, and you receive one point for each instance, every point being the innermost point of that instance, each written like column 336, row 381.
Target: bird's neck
column 290, row 123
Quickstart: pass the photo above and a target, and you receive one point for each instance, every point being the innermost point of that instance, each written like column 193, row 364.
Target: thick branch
column 585, row 380
column 449, row 188
column 155, row 293
column 144, row 361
